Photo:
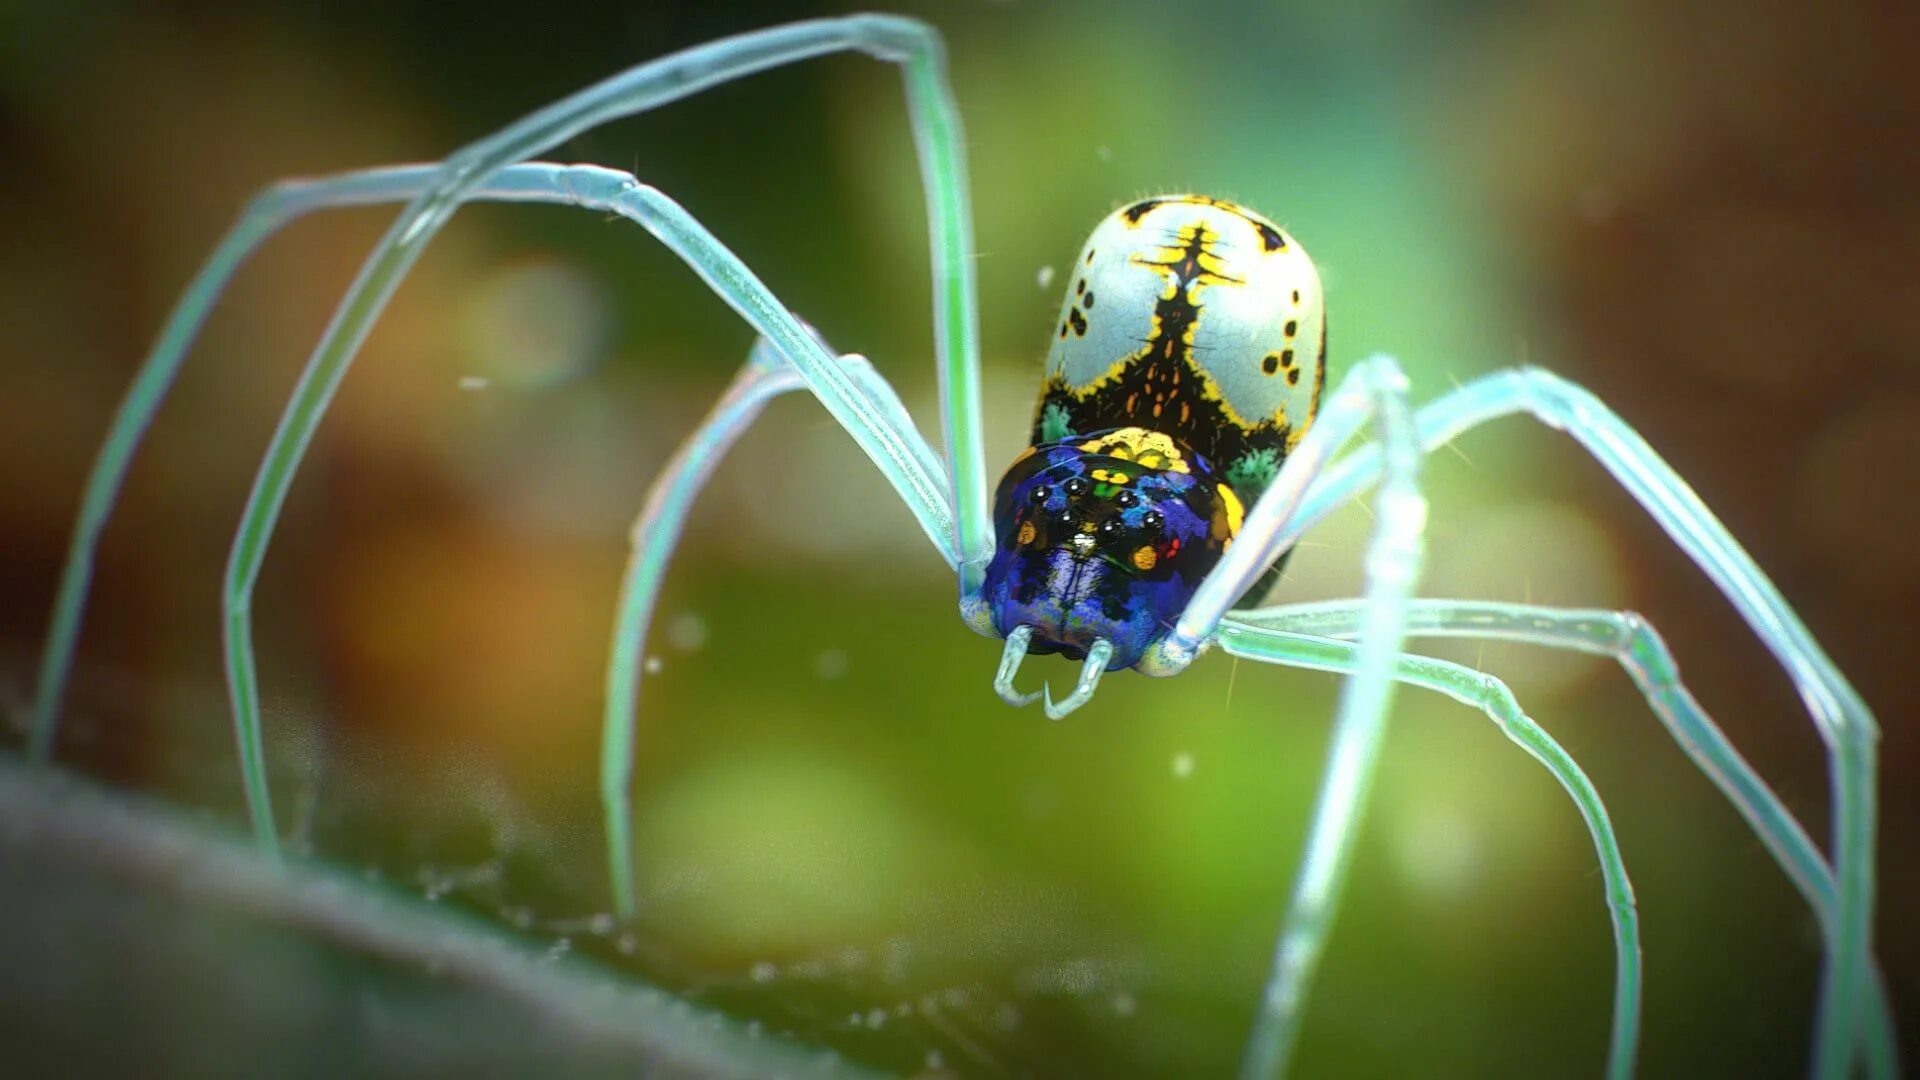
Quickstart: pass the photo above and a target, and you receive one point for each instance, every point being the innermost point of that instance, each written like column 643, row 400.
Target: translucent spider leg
column 1845, row 724
column 1375, row 389
column 269, row 212
column 1628, row 638
column 938, row 136
column 656, row 532
column 608, row 191
column 266, row 215
column 1491, row 696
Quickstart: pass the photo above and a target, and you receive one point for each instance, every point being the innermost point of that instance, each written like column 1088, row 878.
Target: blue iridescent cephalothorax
column 1105, row 537
column 1187, row 363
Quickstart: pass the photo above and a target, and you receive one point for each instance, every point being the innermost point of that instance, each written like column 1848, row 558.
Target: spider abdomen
column 1194, row 317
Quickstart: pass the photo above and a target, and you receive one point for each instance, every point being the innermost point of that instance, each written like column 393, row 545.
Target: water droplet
column 1441, row 853
column 763, row 972
column 652, row 666
column 1182, row 765
column 1045, row 277
column 475, row 382
column 1124, row 1004
column 831, row 664
column 687, row 632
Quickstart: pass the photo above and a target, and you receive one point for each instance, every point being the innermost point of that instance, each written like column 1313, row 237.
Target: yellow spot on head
column 1027, row 533
column 1115, row 477
column 1148, row 449
column 1086, row 526
column 1144, row 558
column 1227, row 515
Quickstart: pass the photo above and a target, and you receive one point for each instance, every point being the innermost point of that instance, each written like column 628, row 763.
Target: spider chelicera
column 1185, row 439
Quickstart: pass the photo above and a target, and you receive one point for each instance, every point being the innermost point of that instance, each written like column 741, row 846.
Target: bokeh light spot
column 534, row 324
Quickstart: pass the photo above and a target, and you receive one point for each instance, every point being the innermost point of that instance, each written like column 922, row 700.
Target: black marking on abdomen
column 1162, row 386
column 1271, row 239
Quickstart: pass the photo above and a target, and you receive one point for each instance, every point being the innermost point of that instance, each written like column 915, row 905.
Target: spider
column 1186, row 438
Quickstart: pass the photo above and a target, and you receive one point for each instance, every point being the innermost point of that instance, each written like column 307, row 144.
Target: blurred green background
column 1708, row 218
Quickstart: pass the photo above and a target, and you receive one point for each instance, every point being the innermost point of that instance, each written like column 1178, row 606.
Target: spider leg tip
column 1010, row 661
column 1054, row 712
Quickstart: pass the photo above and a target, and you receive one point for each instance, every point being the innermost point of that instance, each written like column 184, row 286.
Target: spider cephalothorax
column 1105, row 536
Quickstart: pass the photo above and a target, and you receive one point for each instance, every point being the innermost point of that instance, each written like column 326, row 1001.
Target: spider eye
column 1126, row 499
column 1110, row 528
column 1041, row 494
column 1153, row 521
column 1076, row 486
